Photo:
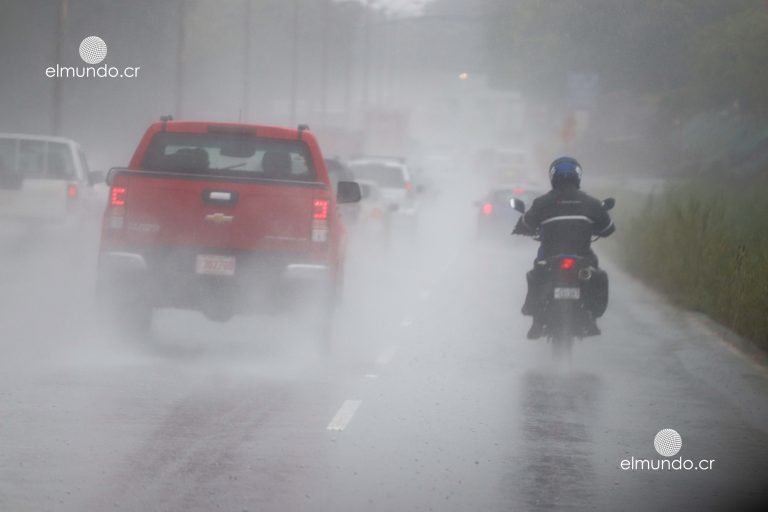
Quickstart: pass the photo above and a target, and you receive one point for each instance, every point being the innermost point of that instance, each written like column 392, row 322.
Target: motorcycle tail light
column 567, row 263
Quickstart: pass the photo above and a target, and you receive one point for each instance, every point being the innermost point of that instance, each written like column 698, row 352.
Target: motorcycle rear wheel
column 562, row 347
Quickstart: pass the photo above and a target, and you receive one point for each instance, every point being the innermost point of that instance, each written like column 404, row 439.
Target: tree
column 730, row 60
column 655, row 47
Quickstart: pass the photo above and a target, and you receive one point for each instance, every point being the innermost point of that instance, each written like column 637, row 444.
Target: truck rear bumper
column 122, row 261
column 259, row 280
column 306, row 272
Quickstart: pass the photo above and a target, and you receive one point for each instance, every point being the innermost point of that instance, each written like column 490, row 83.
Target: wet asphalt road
column 430, row 400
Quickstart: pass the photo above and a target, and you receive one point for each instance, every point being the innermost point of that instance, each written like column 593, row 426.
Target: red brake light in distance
column 72, row 191
column 408, row 186
column 117, row 196
column 567, row 263
column 321, row 209
column 487, row 209
column 518, row 191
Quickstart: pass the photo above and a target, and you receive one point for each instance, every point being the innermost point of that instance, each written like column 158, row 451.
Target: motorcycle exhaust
column 585, row 274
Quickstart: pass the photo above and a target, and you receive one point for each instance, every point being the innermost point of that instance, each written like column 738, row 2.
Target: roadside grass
column 704, row 243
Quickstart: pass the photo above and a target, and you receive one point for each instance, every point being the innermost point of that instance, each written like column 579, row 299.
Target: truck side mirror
column 96, row 177
column 110, row 176
column 348, row 192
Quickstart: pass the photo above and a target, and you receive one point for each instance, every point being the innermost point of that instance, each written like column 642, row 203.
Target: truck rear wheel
column 318, row 317
column 126, row 310
column 134, row 320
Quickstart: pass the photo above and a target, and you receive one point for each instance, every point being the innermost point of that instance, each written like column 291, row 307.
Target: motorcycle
column 571, row 295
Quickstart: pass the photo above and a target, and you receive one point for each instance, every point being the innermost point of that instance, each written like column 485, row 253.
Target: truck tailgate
column 182, row 211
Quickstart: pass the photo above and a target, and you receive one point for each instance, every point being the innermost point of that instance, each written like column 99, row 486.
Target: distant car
column 508, row 165
column 381, row 158
column 496, row 215
column 435, row 170
column 337, row 171
column 395, row 181
column 45, row 179
column 374, row 215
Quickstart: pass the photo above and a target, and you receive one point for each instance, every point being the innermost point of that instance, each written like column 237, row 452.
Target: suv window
column 502, row 196
column 31, row 158
column 84, row 162
column 60, row 165
column 390, row 176
column 37, row 159
column 229, row 155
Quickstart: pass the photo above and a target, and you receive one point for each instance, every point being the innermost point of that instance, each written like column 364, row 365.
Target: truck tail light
column 320, row 220
column 118, row 194
column 72, row 191
column 321, row 209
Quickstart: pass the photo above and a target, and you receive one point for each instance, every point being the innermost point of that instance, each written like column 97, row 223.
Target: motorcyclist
column 565, row 219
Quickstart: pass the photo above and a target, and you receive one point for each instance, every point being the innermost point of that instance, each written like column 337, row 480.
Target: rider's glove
column 521, row 228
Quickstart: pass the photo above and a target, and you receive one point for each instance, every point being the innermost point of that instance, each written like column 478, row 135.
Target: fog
column 427, row 394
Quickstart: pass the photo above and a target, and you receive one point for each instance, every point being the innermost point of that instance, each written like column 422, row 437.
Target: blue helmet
column 565, row 171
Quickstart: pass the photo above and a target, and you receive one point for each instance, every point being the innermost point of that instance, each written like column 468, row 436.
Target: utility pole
column 348, row 65
column 181, row 36
column 367, row 27
column 324, row 63
column 294, row 60
column 247, row 62
column 61, row 23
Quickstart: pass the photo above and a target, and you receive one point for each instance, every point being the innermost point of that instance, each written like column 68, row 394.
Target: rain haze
column 310, row 255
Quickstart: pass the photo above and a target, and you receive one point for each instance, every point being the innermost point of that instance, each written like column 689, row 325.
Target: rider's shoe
column 537, row 330
column 528, row 308
column 591, row 329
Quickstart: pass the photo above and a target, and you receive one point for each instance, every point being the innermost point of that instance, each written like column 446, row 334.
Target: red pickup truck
column 225, row 219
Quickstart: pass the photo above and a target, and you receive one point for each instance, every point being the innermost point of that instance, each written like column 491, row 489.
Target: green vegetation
column 705, row 244
column 697, row 54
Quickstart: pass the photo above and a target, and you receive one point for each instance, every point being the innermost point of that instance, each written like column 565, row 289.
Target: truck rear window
column 232, row 155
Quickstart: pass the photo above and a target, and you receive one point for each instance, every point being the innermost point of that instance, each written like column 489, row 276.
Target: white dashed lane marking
column 344, row 415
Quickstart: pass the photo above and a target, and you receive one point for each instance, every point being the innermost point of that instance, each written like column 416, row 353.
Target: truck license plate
column 567, row 293
column 214, row 265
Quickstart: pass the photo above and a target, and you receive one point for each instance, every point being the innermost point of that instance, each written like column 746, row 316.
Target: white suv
column 394, row 179
column 44, row 178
